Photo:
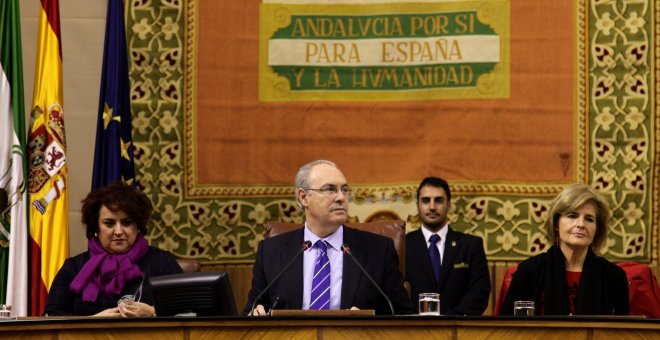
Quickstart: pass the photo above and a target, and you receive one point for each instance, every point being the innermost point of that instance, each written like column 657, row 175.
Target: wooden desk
column 380, row 327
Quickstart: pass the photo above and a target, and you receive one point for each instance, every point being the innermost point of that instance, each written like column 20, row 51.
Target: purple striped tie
column 320, row 298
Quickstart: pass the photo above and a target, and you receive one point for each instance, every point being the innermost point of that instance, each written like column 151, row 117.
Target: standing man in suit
column 324, row 277
column 439, row 259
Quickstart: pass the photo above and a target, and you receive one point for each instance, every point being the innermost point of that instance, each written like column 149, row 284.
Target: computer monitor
column 193, row 294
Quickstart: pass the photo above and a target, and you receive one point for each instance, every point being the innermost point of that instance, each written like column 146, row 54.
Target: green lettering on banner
column 383, row 78
column 384, row 50
column 382, row 26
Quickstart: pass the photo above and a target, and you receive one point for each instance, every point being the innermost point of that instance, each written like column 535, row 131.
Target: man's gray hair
column 302, row 177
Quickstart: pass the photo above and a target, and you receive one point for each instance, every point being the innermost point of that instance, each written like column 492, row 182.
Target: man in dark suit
column 452, row 263
column 323, row 193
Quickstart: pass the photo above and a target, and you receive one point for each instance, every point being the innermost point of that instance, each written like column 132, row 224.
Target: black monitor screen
column 193, row 294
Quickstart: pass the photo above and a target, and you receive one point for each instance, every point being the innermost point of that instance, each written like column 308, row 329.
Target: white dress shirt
column 443, row 237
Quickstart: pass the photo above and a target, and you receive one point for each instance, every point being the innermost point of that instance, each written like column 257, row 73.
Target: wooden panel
column 240, row 275
column 123, row 333
column 509, row 333
column 244, row 333
column 499, row 271
column 331, row 327
column 625, row 334
column 384, row 333
column 45, row 335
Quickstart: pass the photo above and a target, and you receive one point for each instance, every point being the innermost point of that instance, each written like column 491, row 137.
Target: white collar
column 335, row 239
column 442, row 233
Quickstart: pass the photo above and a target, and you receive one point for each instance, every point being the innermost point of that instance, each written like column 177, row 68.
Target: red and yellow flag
column 49, row 223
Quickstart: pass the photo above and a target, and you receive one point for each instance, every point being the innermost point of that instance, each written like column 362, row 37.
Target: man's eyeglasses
column 333, row 190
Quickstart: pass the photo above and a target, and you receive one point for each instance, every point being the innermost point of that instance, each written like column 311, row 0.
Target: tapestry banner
column 384, row 51
column 230, row 98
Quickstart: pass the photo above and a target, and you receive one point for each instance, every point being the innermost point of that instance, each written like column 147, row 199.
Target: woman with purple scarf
column 110, row 279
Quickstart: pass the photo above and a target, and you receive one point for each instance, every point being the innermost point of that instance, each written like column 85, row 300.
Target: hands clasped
column 128, row 309
column 135, row 309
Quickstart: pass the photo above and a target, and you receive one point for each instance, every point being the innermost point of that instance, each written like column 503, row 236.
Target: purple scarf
column 108, row 272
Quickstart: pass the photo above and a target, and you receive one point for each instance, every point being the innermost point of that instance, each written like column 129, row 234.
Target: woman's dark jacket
column 603, row 286
column 62, row 301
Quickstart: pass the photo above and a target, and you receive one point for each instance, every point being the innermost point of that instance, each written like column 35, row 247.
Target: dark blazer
column 464, row 285
column 374, row 252
column 603, row 286
column 61, row 301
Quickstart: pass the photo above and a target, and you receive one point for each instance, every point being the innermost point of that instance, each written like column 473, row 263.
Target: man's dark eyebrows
column 435, row 198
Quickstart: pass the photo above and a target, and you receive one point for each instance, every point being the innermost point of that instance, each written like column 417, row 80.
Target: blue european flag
column 113, row 155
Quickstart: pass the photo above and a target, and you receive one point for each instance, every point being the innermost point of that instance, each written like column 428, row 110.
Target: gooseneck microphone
column 306, row 245
column 346, row 250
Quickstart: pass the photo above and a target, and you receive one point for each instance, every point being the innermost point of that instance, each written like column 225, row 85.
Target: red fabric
column 508, row 276
column 643, row 289
column 573, row 280
column 38, row 292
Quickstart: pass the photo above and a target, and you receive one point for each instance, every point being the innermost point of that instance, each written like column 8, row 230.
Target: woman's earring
column 556, row 237
column 96, row 235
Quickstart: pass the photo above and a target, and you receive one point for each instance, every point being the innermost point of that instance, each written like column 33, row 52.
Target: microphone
column 306, row 245
column 347, row 250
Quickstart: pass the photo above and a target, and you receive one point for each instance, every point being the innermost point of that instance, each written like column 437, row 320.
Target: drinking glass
column 130, row 298
column 5, row 311
column 429, row 304
column 523, row 308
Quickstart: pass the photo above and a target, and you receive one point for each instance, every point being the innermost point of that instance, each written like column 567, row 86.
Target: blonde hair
column 570, row 199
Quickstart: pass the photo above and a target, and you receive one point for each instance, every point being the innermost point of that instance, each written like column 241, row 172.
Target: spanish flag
column 47, row 175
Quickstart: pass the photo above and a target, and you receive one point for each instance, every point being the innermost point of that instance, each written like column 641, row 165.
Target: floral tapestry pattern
column 616, row 147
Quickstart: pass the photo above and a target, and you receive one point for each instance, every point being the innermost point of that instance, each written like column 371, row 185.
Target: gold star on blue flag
column 113, row 155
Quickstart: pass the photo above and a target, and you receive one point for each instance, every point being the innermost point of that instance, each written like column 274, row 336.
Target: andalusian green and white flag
column 13, row 181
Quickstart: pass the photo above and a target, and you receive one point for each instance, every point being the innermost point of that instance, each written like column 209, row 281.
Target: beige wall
column 83, row 29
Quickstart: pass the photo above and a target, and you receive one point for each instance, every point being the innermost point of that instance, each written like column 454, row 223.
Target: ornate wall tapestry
column 393, row 51
column 222, row 121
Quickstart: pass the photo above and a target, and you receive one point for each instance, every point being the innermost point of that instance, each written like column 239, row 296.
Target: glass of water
column 429, row 304
column 523, row 308
column 130, row 298
column 5, row 311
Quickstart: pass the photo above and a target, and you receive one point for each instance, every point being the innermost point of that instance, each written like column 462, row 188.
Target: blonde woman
column 570, row 279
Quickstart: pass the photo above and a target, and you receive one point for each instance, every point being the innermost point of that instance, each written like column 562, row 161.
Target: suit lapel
column 295, row 273
column 422, row 252
column 448, row 256
column 351, row 273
